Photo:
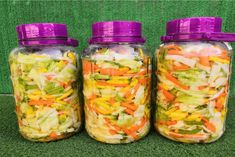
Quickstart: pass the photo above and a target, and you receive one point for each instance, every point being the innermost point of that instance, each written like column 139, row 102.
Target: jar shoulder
column 52, row 51
column 199, row 45
column 121, row 49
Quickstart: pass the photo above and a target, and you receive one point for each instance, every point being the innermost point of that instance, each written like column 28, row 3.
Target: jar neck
column 43, row 42
column 117, row 39
column 117, row 43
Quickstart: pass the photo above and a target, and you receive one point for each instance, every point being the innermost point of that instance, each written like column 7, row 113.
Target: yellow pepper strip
column 29, row 110
column 60, row 64
column 116, row 104
column 118, row 81
column 170, row 111
column 103, row 111
column 62, row 117
column 61, row 102
column 37, row 92
column 162, row 70
column 144, row 99
column 211, row 92
column 101, row 99
column 223, row 113
column 72, row 57
column 103, row 107
column 49, row 96
column 34, row 97
column 134, row 82
column 42, row 70
column 65, row 94
column 124, row 69
column 123, row 90
column 39, row 56
column 178, row 115
column 130, row 72
column 164, row 86
column 207, row 100
column 141, row 52
column 217, row 59
column 194, row 117
column 106, row 86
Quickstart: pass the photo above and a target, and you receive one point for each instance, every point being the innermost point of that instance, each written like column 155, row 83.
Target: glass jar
column 44, row 73
column 193, row 71
column 116, row 72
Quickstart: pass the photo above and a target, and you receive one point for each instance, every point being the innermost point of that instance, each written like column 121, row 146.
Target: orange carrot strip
column 219, row 103
column 134, row 128
column 143, row 81
column 132, row 134
column 111, row 101
column 94, row 109
column 219, row 106
column 174, row 52
column 143, row 72
column 129, row 111
column 103, row 83
column 193, row 136
column 117, row 127
column 87, row 66
column 181, row 67
column 112, row 132
column 93, row 96
column 136, row 88
column 143, row 122
column 132, row 106
column 171, row 122
column 204, row 60
column 127, row 94
column 169, row 96
column 20, row 122
column 175, row 47
column 224, row 55
column 175, row 81
column 53, row 135
column 118, row 85
column 168, row 123
column 202, row 87
column 17, row 108
column 209, row 125
column 40, row 102
column 50, row 77
column 112, row 72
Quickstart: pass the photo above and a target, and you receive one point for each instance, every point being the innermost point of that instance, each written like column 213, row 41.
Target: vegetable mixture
column 117, row 93
column 46, row 92
column 192, row 90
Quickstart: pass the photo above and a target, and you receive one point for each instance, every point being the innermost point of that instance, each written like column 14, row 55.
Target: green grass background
column 79, row 15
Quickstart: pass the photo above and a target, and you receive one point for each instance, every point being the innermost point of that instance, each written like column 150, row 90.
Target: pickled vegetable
column 46, row 93
column 117, row 93
column 192, row 90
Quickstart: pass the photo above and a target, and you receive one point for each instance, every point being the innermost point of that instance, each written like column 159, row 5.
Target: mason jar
column 44, row 73
column 116, row 87
column 193, row 72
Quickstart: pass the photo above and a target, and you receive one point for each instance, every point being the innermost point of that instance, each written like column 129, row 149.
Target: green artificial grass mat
column 80, row 14
column 13, row 144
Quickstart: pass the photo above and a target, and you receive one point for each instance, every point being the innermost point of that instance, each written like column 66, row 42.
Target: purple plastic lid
column 196, row 28
column 116, row 31
column 44, row 34
column 72, row 42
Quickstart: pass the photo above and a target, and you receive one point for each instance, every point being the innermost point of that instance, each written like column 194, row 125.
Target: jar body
column 45, row 83
column 192, row 90
column 117, row 92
